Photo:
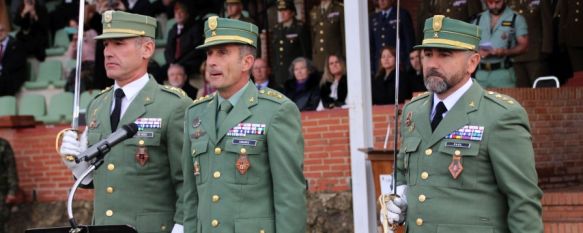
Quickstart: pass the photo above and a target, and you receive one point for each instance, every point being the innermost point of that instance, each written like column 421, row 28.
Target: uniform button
column 383, row 36
column 419, row 221
column 109, row 213
column 109, row 189
column 321, row 23
column 281, row 49
column 243, row 151
column 457, row 152
column 428, row 152
column 280, row 41
column 141, row 142
column 215, row 223
column 576, row 20
column 424, row 175
column 163, row 227
column 321, row 32
column 422, row 198
column 218, row 151
column 321, row 40
column 447, row 10
column 321, row 49
column 383, row 44
column 217, row 174
column 110, row 167
column 216, row 198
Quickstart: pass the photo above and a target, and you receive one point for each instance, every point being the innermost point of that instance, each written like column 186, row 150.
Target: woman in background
column 333, row 86
column 303, row 87
column 383, row 82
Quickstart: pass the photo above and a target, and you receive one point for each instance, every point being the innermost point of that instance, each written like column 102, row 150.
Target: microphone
column 102, row 147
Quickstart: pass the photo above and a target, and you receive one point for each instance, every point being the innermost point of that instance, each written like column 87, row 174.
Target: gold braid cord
column 383, row 200
column 58, row 141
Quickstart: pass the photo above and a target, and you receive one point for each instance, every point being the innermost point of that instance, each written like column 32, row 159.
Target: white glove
column 397, row 208
column 177, row 228
column 70, row 146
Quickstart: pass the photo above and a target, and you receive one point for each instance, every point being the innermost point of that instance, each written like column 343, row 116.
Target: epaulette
column 502, row 100
column 106, row 90
column 272, row 95
column 174, row 90
column 202, row 99
column 420, row 96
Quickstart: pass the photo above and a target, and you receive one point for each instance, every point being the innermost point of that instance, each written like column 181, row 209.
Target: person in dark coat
column 414, row 74
column 303, row 87
column 383, row 83
column 177, row 78
column 12, row 63
column 261, row 76
column 333, row 86
column 33, row 20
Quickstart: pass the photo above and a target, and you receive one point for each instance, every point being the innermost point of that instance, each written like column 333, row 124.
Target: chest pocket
column 468, row 151
column 200, row 161
column 255, row 149
column 410, row 145
column 144, row 153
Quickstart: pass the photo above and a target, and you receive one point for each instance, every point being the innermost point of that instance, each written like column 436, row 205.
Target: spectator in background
column 261, row 76
column 504, row 36
column 383, row 28
column 183, row 38
column 289, row 40
column 34, row 28
column 303, row 88
column 8, row 182
column 234, row 11
column 88, row 56
column 59, row 18
column 570, row 33
column 164, row 7
column 177, row 78
column 206, row 88
column 4, row 17
column 327, row 30
column 415, row 72
column 12, row 63
column 534, row 62
column 464, row 10
column 142, row 7
column 333, row 86
column 383, row 82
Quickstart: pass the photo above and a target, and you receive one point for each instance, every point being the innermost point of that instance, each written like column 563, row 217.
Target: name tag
column 142, row 134
column 457, row 145
column 244, row 142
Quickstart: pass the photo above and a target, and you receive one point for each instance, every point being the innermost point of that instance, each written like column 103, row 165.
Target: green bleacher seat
column 32, row 104
column 60, row 109
column 161, row 42
column 159, row 57
column 7, row 106
column 60, row 43
column 49, row 72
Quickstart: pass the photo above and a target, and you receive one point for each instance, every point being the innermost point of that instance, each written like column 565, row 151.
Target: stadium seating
column 7, row 106
column 32, row 104
column 49, row 72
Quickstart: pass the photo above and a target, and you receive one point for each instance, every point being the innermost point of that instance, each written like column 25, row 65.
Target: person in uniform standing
column 140, row 181
column 464, row 10
column 504, row 35
column 243, row 148
column 383, row 28
column 288, row 40
column 235, row 11
column 327, row 23
column 533, row 63
column 8, row 182
column 570, row 13
column 464, row 151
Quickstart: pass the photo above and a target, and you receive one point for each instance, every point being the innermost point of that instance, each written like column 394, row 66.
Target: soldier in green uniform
column 288, row 40
column 466, row 162
column 140, row 181
column 570, row 13
column 464, row 10
column 504, row 35
column 539, row 18
column 8, row 182
column 327, row 23
column 243, row 148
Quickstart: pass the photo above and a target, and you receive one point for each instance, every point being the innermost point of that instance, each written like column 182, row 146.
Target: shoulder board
column 202, row 99
column 502, row 100
column 420, row 96
column 106, row 90
column 272, row 95
column 174, row 90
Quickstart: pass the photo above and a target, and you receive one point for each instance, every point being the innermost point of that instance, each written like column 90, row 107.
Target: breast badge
column 456, row 167
column 243, row 162
column 142, row 156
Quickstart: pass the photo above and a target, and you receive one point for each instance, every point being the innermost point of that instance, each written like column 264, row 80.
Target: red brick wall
column 556, row 117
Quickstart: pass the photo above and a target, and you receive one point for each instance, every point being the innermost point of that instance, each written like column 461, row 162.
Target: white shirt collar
column 131, row 90
column 451, row 99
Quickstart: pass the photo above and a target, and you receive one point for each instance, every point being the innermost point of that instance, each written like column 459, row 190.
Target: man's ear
column 247, row 62
column 473, row 62
column 148, row 49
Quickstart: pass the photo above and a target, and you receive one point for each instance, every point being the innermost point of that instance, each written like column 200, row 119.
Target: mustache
column 434, row 72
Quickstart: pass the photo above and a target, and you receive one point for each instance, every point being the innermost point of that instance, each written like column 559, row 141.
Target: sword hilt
column 383, row 200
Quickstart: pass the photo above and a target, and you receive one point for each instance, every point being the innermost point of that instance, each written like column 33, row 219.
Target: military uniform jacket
column 538, row 16
column 147, row 196
column 269, row 197
column 382, row 32
column 8, row 174
column 570, row 13
column 497, row 189
column 286, row 44
column 327, row 33
column 464, row 10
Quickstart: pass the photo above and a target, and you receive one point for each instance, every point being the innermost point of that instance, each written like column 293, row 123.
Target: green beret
column 119, row 24
column 228, row 31
column 448, row 33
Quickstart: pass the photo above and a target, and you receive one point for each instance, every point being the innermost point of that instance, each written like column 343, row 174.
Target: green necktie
column 224, row 109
